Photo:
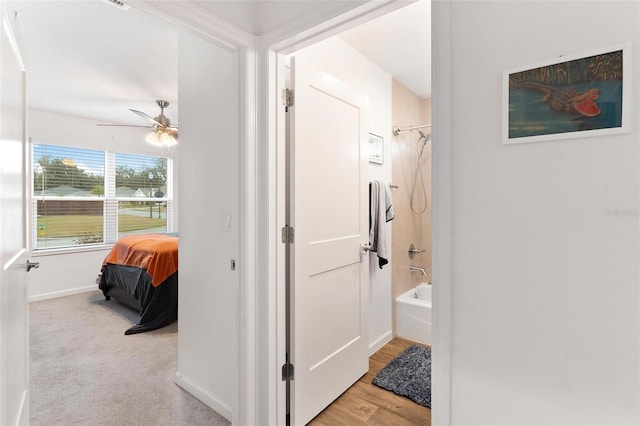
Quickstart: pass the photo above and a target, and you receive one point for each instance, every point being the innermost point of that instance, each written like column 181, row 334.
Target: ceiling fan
column 164, row 133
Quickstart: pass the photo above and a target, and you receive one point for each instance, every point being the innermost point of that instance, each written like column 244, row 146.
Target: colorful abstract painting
column 557, row 100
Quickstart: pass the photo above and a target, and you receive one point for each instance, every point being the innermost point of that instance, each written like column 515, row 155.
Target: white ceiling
column 265, row 16
column 91, row 59
column 400, row 43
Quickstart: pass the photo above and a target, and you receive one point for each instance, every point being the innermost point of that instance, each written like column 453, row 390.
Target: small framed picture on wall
column 376, row 149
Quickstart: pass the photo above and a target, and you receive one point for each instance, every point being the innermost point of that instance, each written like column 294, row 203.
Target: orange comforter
column 156, row 253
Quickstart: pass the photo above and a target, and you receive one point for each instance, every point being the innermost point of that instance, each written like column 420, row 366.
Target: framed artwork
column 574, row 96
column 376, row 149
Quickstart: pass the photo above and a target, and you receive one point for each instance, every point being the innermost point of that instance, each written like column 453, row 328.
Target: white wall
column 336, row 57
column 61, row 274
column 545, row 287
column 208, row 363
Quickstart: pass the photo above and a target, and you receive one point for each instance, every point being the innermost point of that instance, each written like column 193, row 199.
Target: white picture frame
column 376, row 149
column 551, row 113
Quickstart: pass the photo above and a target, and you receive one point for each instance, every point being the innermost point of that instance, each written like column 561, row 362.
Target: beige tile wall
column 408, row 109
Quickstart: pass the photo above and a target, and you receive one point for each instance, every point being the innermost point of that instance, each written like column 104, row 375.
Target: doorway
column 336, row 56
column 86, row 265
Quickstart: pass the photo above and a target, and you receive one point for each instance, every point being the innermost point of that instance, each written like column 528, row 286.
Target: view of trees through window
column 62, row 171
column 141, row 177
column 85, row 196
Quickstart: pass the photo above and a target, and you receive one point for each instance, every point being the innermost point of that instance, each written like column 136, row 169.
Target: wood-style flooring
column 367, row 404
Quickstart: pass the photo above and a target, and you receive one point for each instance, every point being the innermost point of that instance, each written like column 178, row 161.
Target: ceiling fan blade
column 148, row 117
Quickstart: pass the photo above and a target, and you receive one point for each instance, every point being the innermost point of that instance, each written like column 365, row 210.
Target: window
column 83, row 197
column 141, row 177
column 68, row 189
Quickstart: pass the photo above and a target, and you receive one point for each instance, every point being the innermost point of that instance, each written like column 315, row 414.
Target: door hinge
column 287, row 234
column 287, row 97
column 287, row 372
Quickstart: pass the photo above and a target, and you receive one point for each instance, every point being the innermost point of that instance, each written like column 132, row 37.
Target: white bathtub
column 413, row 314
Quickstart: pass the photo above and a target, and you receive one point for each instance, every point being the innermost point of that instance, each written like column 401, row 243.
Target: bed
column 141, row 271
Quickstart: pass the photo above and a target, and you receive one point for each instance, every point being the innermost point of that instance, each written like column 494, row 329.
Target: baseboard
column 218, row 406
column 380, row 342
column 62, row 293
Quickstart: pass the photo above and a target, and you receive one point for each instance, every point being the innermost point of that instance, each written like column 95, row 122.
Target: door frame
column 272, row 63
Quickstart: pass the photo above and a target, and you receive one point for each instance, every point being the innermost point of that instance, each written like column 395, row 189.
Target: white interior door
column 14, row 333
column 329, row 202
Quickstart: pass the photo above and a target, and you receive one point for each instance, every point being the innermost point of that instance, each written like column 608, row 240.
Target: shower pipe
column 419, row 152
column 427, row 138
column 397, row 130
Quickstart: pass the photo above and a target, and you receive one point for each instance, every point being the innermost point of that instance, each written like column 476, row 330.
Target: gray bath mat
column 409, row 374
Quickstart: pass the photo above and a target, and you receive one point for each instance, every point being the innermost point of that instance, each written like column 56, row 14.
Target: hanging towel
column 381, row 212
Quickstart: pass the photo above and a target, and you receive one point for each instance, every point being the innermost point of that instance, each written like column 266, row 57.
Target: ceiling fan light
column 153, row 139
column 167, row 139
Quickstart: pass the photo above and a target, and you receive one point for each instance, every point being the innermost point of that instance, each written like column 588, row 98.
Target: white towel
column 381, row 210
column 390, row 215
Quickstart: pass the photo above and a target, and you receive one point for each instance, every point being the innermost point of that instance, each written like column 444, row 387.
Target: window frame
column 110, row 201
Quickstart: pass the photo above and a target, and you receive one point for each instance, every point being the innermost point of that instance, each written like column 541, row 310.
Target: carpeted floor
column 85, row 371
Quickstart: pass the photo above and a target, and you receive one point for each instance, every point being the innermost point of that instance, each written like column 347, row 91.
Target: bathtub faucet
column 417, row 269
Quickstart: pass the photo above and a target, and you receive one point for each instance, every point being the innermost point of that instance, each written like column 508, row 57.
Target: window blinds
column 83, row 196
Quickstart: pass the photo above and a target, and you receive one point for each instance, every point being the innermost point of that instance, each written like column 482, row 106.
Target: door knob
column 364, row 248
column 32, row 265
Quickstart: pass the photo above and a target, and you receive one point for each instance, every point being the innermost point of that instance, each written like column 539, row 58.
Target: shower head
column 419, row 147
